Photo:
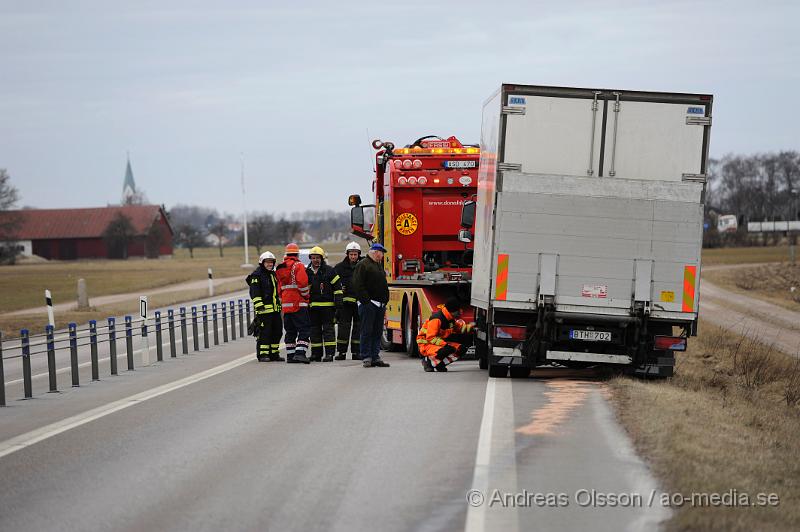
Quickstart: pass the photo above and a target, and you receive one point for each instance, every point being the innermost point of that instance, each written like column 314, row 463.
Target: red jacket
column 293, row 283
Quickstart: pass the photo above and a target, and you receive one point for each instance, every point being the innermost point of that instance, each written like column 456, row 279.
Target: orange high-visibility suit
column 432, row 336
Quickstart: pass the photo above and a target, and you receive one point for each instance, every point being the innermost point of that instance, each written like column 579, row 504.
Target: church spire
column 129, row 185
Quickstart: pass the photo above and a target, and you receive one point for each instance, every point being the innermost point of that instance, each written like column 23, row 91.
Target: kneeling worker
column 444, row 337
column 267, row 306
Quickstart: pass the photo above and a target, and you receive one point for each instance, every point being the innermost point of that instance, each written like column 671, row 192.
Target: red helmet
column 292, row 248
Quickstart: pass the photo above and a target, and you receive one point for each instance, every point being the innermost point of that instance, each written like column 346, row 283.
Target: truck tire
column 482, row 353
column 411, row 329
column 520, row 373
column 386, row 342
column 498, row 371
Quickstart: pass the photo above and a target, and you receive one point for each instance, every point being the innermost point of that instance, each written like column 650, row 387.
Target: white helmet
column 266, row 255
column 352, row 246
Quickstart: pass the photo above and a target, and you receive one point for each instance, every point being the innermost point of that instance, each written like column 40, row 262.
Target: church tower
column 129, row 194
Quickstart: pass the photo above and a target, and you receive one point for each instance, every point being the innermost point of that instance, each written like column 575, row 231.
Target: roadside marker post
column 26, row 363
column 159, row 347
column 210, row 283
column 184, row 337
column 171, row 320
column 224, row 311
column 48, row 300
column 51, row 358
column 241, row 319
column 112, row 345
column 2, row 375
column 93, row 348
column 129, row 340
column 73, row 354
column 214, row 323
column 145, row 339
column 233, row 320
column 195, row 336
column 205, row 326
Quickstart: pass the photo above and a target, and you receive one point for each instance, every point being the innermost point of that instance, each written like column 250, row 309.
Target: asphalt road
column 273, row 446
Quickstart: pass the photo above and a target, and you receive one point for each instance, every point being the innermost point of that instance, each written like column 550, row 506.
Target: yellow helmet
column 316, row 250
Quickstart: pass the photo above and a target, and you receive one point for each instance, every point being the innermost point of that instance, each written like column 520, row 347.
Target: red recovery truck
column 419, row 193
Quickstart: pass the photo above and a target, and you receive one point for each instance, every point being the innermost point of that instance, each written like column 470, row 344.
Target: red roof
column 42, row 224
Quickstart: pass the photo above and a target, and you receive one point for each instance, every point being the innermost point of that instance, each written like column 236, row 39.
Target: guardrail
column 49, row 343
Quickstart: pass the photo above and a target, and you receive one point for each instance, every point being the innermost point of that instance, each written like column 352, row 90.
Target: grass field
column 728, row 420
column 770, row 282
column 22, row 286
column 35, row 322
column 745, row 255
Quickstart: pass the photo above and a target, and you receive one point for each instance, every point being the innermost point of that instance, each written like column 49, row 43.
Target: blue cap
column 377, row 247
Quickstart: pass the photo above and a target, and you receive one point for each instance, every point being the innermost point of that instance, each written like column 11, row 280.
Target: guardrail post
column 214, row 323
column 195, row 335
column 159, row 347
column 205, row 326
column 224, row 311
column 171, row 320
column 233, row 320
column 26, row 362
column 93, row 349
column 73, row 354
column 241, row 319
column 2, row 375
column 247, row 311
column 51, row 358
column 112, row 345
column 184, row 333
column 129, row 341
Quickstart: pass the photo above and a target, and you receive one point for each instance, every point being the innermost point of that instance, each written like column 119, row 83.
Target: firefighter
column 326, row 297
column 347, row 315
column 444, row 337
column 267, row 307
column 293, row 283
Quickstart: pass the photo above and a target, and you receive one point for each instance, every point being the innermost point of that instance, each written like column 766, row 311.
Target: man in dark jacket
column 267, row 307
column 372, row 293
column 347, row 315
column 326, row 296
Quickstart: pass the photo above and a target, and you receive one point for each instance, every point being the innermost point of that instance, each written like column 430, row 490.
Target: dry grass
column 729, row 419
column 35, row 322
column 745, row 255
column 770, row 282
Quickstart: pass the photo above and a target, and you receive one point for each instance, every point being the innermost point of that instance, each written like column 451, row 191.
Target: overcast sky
column 300, row 87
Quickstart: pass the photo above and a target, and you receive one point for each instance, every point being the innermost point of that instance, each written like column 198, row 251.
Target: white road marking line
column 29, row 438
column 476, row 515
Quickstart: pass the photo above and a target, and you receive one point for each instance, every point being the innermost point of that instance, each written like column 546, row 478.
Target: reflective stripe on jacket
column 325, row 285
column 293, row 283
column 264, row 291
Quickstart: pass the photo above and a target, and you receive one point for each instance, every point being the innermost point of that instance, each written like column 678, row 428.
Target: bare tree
column 219, row 230
column 117, row 236
column 153, row 241
column 260, row 230
column 9, row 222
column 190, row 237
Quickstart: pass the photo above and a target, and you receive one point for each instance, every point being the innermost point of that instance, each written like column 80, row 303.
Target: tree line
column 754, row 188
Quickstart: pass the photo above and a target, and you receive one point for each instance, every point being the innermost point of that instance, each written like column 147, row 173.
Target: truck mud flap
column 662, row 368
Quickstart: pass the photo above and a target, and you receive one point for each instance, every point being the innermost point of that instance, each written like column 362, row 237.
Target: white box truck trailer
column 587, row 227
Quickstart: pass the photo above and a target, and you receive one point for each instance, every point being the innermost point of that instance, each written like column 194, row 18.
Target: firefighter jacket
column 326, row 286
column 433, row 333
column 264, row 291
column 369, row 282
column 293, row 283
column 345, row 270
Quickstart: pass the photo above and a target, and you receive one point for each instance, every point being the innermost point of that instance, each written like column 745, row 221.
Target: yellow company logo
column 406, row 223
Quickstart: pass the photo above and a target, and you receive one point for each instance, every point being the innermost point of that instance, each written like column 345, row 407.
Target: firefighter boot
column 340, row 356
column 426, row 364
column 328, row 358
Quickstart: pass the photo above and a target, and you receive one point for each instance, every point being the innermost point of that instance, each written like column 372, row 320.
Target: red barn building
column 69, row 234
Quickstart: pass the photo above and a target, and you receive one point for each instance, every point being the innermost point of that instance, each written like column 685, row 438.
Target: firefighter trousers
column 269, row 336
column 348, row 329
column 298, row 330
column 323, row 336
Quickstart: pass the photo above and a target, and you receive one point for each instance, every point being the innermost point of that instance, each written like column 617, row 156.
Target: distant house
column 69, row 234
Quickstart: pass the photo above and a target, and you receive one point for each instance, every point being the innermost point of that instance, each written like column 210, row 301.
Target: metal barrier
column 74, row 337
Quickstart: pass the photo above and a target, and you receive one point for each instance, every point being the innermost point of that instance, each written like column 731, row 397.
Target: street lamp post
column 244, row 207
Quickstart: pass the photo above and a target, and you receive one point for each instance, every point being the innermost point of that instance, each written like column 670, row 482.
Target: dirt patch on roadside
column 778, row 283
column 728, row 420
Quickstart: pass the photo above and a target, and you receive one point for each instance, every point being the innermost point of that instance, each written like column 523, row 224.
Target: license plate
column 590, row 336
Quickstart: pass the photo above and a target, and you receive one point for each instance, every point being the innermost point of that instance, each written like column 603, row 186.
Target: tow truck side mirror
column 362, row 220
column 467, row 215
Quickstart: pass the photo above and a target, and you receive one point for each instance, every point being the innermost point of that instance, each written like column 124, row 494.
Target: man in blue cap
column 371, row 291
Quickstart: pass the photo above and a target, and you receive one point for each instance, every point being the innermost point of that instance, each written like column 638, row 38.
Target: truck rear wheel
column 482, row 353
column 498, row 371
column 386, row 340
column 411, row 329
